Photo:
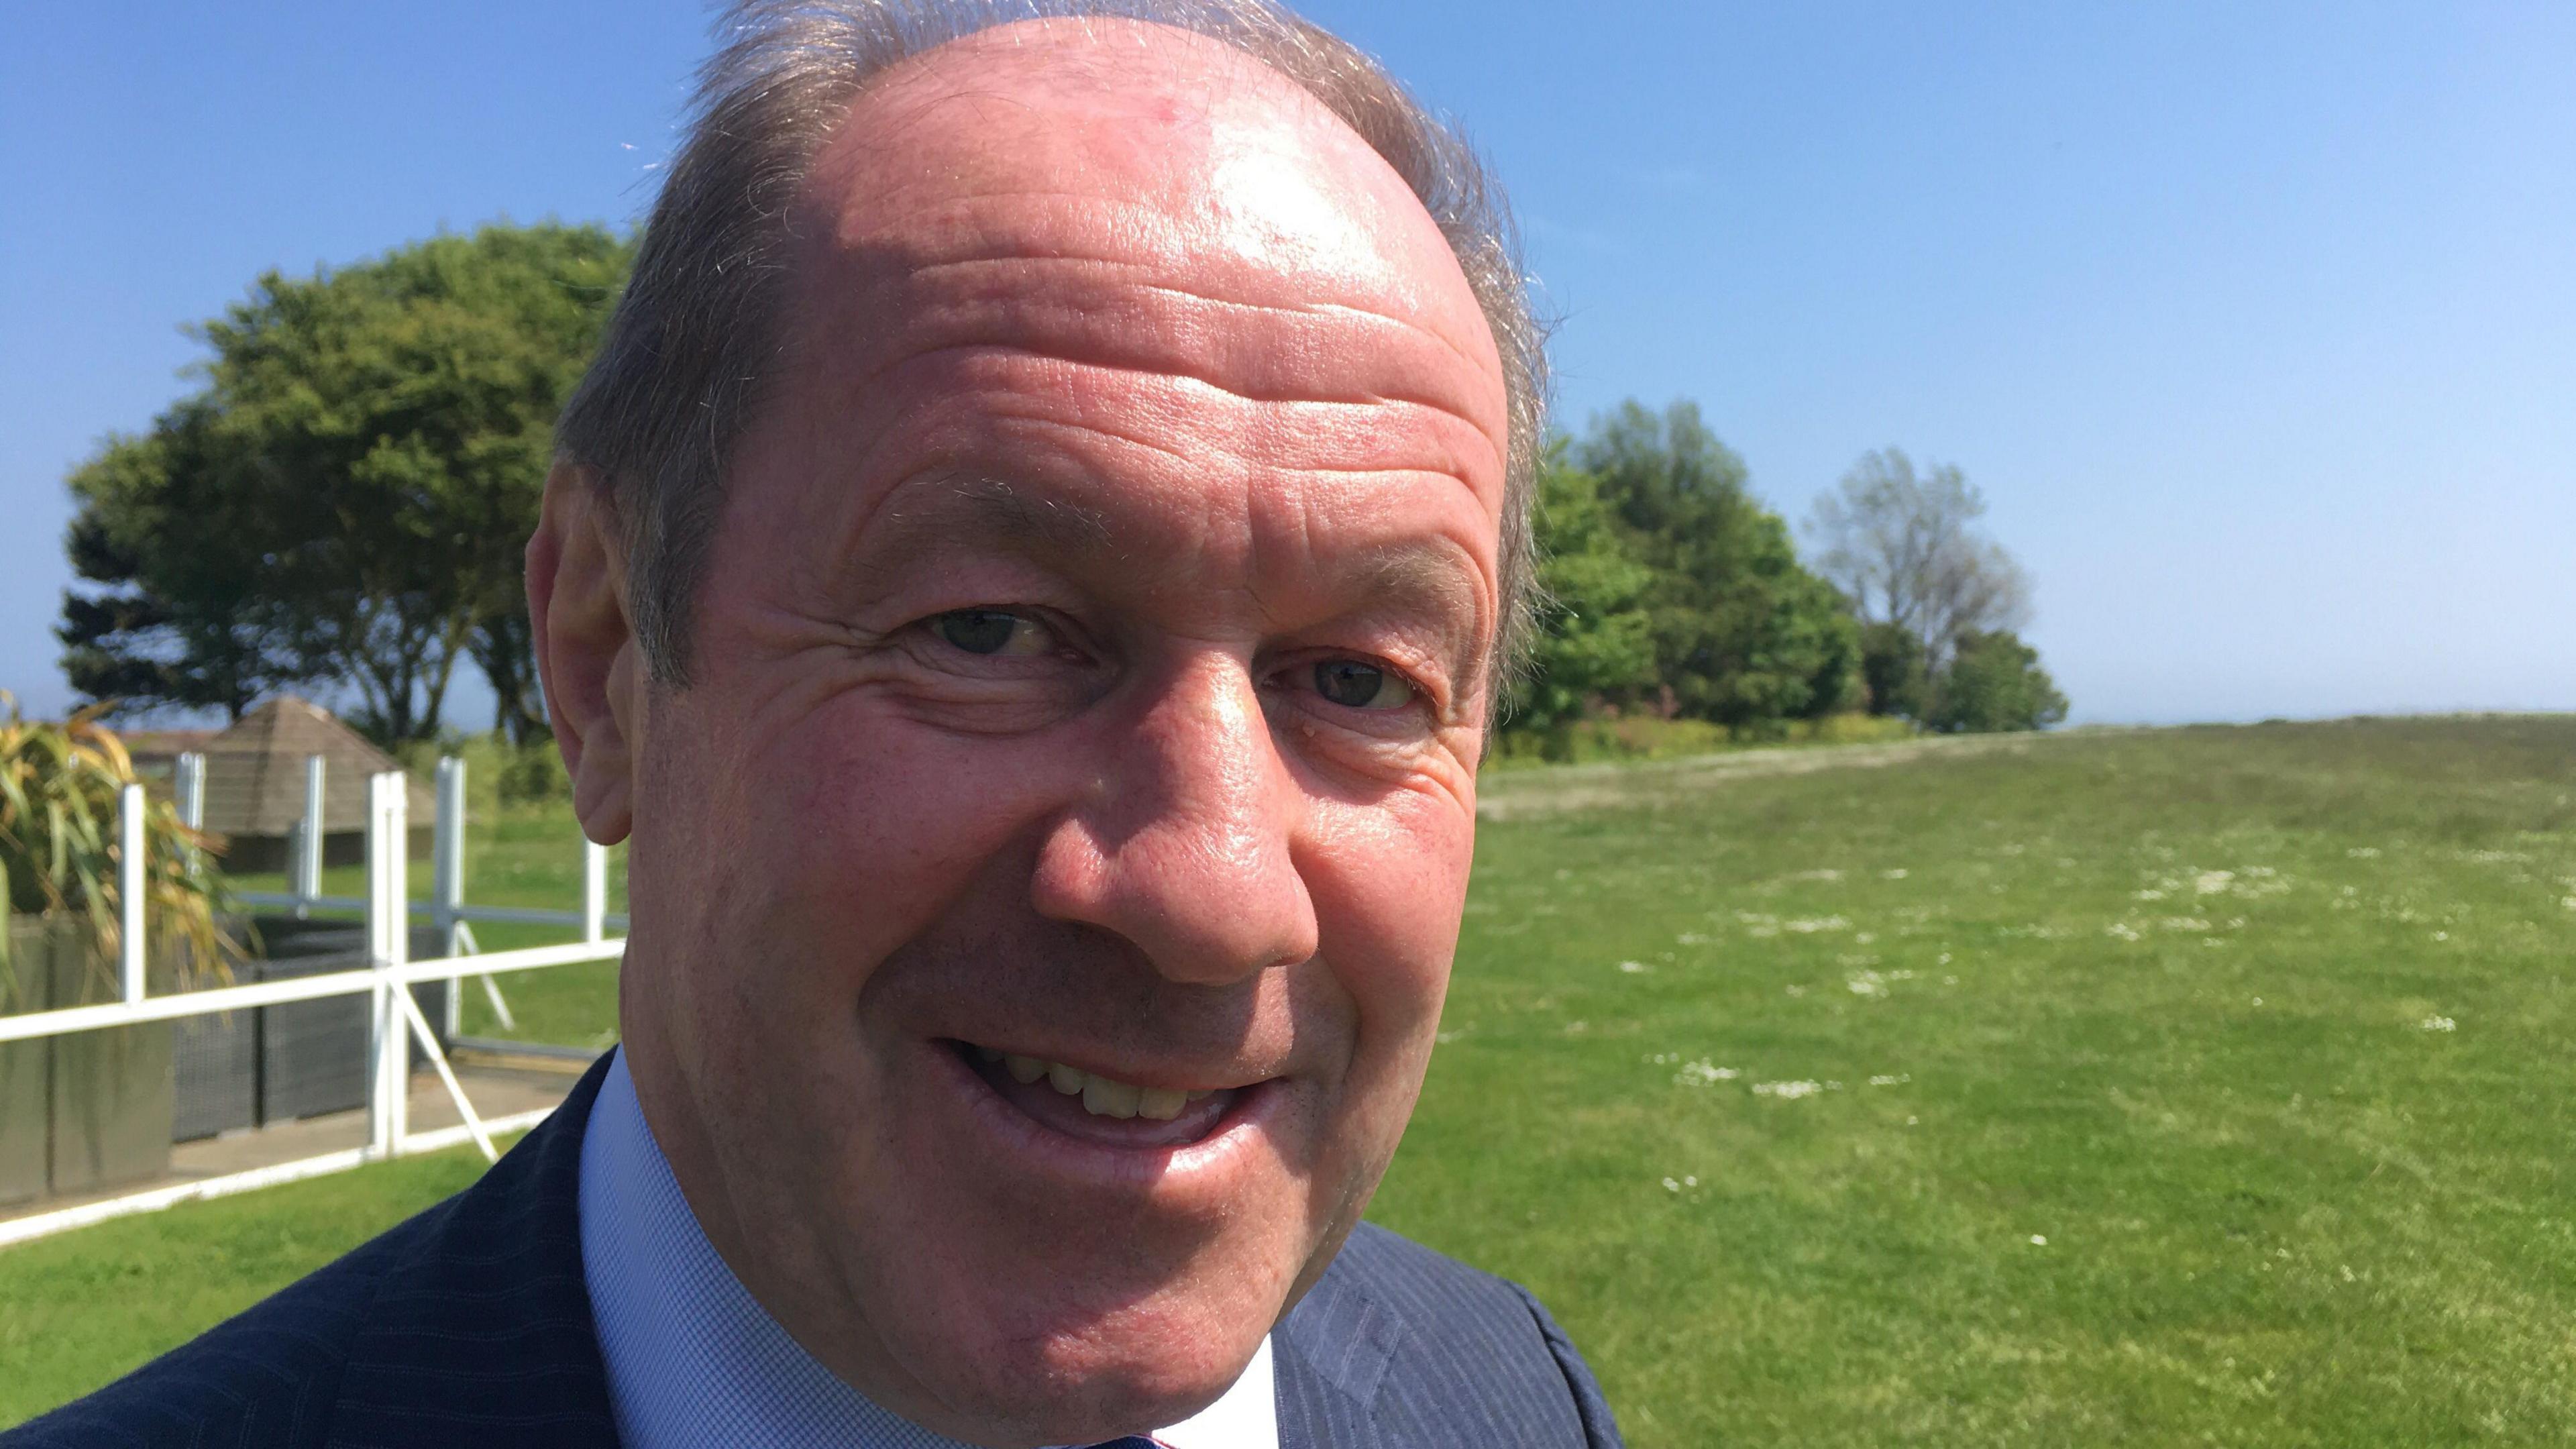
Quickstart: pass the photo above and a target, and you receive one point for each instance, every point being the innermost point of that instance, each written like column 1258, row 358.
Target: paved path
column 496, row 1088
column 1555, row 789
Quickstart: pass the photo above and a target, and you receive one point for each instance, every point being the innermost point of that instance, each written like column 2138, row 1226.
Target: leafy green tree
column 1891, row 666
column 1994, row 683
column 1744, row 635
column 374, row 442
column 1593, row 637
column 185, row 618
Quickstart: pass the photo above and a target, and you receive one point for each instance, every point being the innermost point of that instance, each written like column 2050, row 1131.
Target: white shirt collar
column 692, row 1357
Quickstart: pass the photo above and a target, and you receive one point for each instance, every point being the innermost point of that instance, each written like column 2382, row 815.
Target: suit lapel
column 1330, row 1358
column 482, row 1334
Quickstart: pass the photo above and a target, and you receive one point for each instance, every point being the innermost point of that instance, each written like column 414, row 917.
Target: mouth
column 1103, row 1110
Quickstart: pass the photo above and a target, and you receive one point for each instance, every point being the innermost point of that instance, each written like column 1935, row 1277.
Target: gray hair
column 679, row 373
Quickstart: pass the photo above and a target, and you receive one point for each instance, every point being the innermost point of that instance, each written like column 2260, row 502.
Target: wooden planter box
column 99, row 1109
column 26, row 984
column 103, row 1112
column 312, row 1055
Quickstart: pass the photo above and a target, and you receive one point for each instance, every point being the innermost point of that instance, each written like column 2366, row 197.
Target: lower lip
column 1234, row 1135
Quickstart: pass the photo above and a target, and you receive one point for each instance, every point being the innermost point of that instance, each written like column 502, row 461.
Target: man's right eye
column 992, row 631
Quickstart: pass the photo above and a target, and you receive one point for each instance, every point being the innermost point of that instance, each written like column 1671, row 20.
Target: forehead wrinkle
column 1104, row 426
column 948, row 233
column 1000, row 289
column 1153, row 279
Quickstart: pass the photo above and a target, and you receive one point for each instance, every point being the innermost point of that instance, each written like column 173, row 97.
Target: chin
column 1131, row 1374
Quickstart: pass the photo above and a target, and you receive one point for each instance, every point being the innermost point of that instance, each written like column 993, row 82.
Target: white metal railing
column 388, row 977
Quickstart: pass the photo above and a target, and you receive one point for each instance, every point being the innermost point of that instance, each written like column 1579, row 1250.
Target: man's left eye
column 992, row 632
column 1358, row 684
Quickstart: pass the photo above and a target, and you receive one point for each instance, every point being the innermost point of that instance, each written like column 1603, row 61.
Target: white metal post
column 308, row 863
column 188, row 783
column 594, row 891
column 132, row 846
column 388, row 946
column 447, row 888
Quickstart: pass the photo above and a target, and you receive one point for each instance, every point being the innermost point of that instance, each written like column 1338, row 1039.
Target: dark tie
column 1132, row 1441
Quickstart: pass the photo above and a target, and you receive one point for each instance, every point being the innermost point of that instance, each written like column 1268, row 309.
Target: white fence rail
column 396, row 1019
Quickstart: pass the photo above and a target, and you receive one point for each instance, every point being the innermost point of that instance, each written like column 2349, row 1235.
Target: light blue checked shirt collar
column 694, row 1360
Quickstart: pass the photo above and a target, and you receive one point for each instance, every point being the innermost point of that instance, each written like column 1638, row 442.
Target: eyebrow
column 1432, row 579
column 988, row 509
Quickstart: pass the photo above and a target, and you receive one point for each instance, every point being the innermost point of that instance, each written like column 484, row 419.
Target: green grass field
column 2204, row 1086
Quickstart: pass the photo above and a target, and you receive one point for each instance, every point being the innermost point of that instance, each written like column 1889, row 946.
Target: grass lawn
column 2178, row 1086
column 80, row 1308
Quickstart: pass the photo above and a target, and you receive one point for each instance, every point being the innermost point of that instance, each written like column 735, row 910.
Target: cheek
column 1389, row 881
column 824, row 842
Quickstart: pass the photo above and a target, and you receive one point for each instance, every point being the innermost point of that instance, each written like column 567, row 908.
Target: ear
column 587, row 656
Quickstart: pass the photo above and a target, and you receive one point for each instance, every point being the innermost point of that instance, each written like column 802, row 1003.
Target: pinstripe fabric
column 470, row 1324
column 1400, row 1348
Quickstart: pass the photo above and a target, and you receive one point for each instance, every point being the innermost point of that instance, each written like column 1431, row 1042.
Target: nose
column 1184, row 844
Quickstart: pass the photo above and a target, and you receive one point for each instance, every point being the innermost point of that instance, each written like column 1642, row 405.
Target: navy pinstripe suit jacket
column 470, row 1325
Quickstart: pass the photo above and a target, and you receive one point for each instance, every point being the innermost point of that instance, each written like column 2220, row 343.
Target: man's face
column 1046, row 885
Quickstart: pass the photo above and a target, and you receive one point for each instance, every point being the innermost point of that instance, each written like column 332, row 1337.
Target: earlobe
column 586, row 651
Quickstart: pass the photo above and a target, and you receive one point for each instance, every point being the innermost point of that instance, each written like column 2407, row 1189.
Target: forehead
column 1139, row 197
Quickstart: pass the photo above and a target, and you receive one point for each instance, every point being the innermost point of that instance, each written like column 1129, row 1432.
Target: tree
column 184, row 620
column 1593, row 637
column 373, row 441
column 1994, row 683
column 1744, row 635
column 1907, row 550
column 1891, row 666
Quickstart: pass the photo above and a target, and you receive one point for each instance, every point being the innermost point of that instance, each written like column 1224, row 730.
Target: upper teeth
column 1101, row 1096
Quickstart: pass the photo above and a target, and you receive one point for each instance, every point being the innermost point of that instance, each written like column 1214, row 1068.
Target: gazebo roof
column 255, row 772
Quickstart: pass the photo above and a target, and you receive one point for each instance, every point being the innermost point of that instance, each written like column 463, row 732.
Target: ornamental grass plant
column 60, row 853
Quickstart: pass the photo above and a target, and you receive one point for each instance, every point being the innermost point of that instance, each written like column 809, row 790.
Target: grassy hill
column 2173, row 1086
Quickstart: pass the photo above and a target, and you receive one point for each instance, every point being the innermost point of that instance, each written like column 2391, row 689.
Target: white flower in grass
column 1703, row 1073
column 1787, row 1091
column 2438, row 1023
column 1634, row 967
column 2039, row 1240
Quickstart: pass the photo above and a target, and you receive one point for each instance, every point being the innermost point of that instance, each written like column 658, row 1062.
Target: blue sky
column 2257, row 324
